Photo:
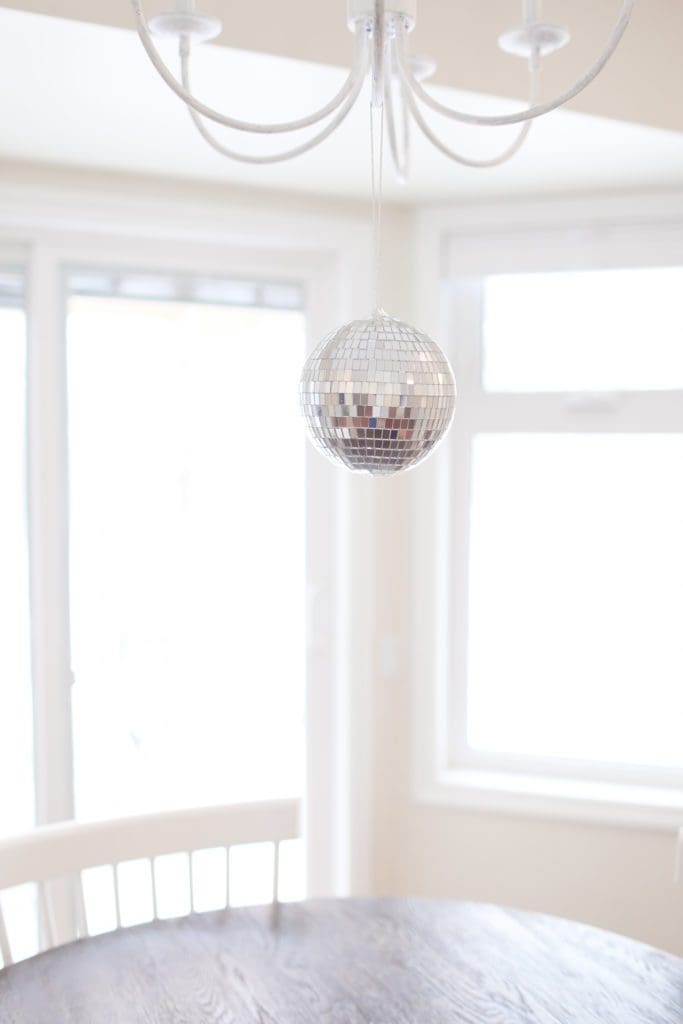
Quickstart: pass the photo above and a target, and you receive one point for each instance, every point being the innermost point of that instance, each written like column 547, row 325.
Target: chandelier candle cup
column 362, row 13
column 378, row 395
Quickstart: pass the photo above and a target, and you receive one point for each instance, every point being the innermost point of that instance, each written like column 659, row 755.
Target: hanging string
column 377, row 170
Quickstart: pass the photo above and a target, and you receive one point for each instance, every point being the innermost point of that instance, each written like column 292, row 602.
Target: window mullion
column 641, row 413
column 48, row 534
column 466, row 354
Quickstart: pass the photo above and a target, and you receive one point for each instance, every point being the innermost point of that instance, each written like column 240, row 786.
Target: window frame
column 459, row 248
column 13, row 261
column 48, row 230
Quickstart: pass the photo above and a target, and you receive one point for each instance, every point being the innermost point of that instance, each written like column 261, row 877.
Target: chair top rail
column 67, row 848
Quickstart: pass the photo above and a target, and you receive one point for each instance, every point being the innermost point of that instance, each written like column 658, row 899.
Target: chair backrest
column 64, row 851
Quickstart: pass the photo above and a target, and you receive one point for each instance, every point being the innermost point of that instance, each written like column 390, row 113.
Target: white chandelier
column 377, row 394
column 381, row 28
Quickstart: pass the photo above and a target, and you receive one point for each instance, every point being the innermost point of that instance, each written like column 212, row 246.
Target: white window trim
column 455, row 245
column 46, row 230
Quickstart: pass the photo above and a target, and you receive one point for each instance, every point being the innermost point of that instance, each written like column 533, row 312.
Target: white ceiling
column 85, row 95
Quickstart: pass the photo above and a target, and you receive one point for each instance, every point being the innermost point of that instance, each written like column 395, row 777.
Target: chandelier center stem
column 377, row 174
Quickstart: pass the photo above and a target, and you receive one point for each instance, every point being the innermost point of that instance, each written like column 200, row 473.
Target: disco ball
column 378, row 395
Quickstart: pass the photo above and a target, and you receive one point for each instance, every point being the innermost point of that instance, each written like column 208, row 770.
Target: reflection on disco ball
column 378, row 395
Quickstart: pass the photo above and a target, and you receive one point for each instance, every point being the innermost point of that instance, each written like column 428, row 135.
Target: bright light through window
column 598, row 330
column 187, row 553
column 576, row 597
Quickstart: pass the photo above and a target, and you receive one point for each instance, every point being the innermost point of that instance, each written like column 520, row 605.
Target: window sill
column 559, row 799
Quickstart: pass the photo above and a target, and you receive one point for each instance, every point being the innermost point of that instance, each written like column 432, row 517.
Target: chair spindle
column 117, row 898
column 48, row 914
column 81, row 917
column 4, row 943
column 276, row 871
column 155, row 891
column 190, row 866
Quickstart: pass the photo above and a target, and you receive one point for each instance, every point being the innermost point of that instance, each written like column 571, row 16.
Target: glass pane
column 16, row 710
column 601, row 330
column 187, row 553
column 576, row 597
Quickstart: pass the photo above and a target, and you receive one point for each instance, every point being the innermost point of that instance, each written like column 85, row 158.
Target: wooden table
column 347, row 962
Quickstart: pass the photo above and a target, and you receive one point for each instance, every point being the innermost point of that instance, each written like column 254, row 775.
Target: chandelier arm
column 495, row 161
column 271, row 158
column 526, row 115
column 513, row 148
column 400, row 159
column 355, row 74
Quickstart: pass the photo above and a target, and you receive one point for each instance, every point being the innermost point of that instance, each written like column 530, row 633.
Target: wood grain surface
column 349, row 962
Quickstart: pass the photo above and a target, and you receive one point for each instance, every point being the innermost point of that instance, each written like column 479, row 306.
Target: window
column 187, row 552
column 565, row 668
column 576, row 546
column 221, row 541
column 173, row 398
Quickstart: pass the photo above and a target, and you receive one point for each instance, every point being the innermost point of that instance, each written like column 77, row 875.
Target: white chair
column 56, row 855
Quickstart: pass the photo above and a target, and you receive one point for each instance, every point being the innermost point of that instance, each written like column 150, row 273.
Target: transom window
column 583, row 331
